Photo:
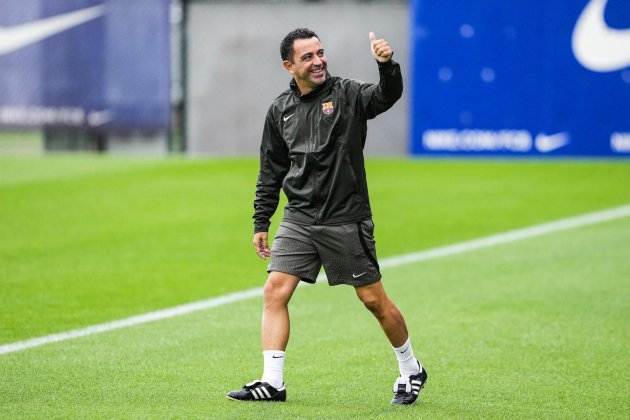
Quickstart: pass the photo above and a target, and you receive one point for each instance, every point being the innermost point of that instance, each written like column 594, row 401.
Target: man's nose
column 317, row 61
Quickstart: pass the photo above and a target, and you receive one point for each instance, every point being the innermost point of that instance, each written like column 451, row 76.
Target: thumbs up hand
column 380, row 49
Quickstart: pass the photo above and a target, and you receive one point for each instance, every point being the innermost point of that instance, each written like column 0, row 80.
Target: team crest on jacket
column 327, row 108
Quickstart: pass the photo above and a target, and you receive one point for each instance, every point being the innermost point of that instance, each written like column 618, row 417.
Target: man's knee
column 278, row 288
column 375, row 302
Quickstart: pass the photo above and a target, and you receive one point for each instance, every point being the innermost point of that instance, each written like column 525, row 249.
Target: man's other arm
column 274, row 165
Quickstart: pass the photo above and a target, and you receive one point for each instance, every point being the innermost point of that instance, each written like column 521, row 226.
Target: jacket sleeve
column 274, row 165
column 375, row 99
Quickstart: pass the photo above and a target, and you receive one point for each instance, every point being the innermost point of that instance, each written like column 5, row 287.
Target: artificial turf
column 89, row 239
column 532, row 329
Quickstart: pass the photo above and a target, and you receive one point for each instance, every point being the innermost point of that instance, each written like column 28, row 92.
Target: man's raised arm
column 376, row 99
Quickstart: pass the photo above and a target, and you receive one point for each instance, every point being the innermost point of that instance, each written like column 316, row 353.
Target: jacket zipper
column 317, row 193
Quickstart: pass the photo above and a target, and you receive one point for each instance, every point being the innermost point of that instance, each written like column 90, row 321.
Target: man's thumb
column 372, row 36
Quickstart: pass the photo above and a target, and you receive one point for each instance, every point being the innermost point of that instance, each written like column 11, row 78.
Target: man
column 312, row 147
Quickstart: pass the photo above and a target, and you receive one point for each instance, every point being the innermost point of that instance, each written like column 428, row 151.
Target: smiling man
column 312, row 148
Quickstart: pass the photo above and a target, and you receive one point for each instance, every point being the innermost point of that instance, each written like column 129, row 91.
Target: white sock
column 407, row 362
column 273, row 368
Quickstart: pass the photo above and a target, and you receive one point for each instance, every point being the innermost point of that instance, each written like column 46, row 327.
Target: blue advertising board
column 520, row 78
column 85, row 63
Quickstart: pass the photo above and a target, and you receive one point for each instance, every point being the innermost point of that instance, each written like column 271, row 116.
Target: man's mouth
column 319, row 72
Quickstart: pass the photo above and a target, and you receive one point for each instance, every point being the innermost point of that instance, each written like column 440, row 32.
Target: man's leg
column 274, row 332
column 278, row 290
column 275, row 320
column 412, row 375
column 386, row 312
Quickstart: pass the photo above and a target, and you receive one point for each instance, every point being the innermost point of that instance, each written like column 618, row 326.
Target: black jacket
column 312, row 147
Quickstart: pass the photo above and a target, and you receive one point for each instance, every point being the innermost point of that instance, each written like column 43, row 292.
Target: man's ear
column 288, row 66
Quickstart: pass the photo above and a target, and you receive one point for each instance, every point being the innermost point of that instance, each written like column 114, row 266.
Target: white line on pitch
column 458, row 248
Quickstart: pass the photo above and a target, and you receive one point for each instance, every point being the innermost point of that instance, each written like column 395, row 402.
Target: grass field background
column 535, row 329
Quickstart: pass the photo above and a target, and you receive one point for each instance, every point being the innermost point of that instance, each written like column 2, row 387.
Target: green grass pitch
column 536, row 328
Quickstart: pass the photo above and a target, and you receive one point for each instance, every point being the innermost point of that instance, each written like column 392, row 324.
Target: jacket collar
column 315, row 92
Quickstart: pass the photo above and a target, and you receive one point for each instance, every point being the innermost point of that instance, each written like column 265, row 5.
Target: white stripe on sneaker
column 265, row 391
column 255, row 393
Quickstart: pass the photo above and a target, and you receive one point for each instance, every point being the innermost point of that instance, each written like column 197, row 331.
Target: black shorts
column 347, row 252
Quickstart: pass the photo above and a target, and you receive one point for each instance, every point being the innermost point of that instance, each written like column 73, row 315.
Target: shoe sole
column 236, row 399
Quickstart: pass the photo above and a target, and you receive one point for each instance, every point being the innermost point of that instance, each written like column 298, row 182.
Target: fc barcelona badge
column 327, row 108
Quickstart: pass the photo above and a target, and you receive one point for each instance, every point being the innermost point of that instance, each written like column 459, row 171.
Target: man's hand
column 380, row 48
column 261, row 245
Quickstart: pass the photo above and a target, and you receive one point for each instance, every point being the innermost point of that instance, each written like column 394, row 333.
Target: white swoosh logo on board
column 548, row 143
column 13, row 38
column 597, row 46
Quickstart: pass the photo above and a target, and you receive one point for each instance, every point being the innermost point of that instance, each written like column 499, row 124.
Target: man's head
column 303, row 57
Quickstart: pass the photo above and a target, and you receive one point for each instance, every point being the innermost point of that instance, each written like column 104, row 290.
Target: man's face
column 308, row 65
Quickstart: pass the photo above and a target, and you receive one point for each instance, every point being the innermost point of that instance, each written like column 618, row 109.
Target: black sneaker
column 406, row 390
column 258, row 391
